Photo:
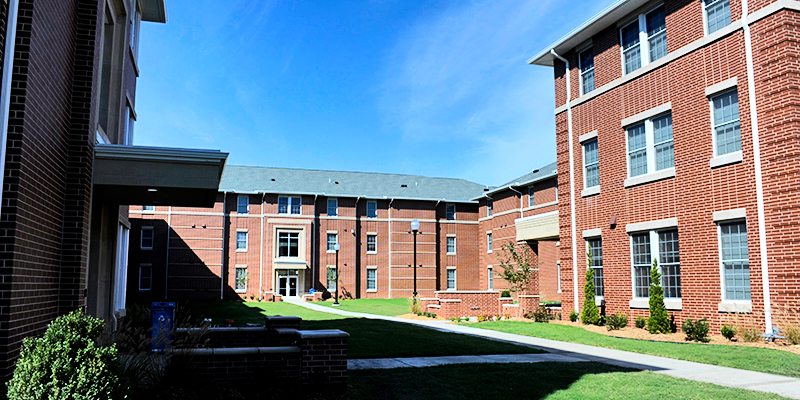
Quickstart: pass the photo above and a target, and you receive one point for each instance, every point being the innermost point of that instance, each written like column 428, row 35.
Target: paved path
column 724, row 376
column 386, row 363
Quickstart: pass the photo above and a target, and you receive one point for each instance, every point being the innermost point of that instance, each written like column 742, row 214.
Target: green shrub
column 67, row 363
column 659, row 318
column 728, row 331
column 416, row 307
column 541, row 314
column 573, row 316
column 696, row 331
column 616, row 321
column 505, row 293
column 750, row 334
column 590, row 313
column 640, row 322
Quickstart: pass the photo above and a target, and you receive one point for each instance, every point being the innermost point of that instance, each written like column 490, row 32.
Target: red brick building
column 67, row 109
column 677, row 141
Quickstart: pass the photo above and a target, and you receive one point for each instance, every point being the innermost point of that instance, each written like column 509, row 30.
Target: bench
column 775, row 334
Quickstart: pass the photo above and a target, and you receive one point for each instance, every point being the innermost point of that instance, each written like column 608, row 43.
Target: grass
column 548, row 380
column 388, row 307
column 750, row 358
column 368, row 338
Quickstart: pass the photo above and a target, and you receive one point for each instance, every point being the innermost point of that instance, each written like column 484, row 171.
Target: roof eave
column 301, row 193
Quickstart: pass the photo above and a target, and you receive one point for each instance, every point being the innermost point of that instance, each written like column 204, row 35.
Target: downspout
column 390, row 247
column 571, row 186
column 314, row 228
column 520, row 199
column 222, row 258
column 762, row 225
column 8, row 67
column 166, row 266
column 261, row 253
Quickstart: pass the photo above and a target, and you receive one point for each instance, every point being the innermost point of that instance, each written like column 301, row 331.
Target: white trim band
column 592, row 233
column 588, row 136
column 652, row 225
column 633, row 119
column 729, row 215
column 721, row 87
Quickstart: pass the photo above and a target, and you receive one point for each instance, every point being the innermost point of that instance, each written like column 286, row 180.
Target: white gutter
column 390, row 247
column 166, row 266
column 520, row 198
column 762, row 225
column 261, row 253
column 5, row 89
column 571, row 187
column 224, row 235
column 314, row 246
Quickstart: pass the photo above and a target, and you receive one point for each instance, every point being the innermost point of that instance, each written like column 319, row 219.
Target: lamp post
column 415, row 230
column 336, row 299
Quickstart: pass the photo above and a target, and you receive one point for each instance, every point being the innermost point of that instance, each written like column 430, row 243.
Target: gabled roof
column 602, row 20
column 539, row 174
column 241, row 179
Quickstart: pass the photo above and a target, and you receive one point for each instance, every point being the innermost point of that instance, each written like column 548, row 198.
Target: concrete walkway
column 416, row 362
column 723, row 376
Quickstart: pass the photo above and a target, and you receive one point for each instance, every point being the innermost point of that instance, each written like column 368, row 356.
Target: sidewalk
column 417, row 362
column 723, row 376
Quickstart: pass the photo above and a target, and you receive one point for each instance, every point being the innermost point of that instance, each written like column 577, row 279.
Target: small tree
column 590, row 314
column 659, row 318
column 520, row 277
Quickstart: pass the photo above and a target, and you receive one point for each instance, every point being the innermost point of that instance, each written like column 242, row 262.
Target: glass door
column 292, row 289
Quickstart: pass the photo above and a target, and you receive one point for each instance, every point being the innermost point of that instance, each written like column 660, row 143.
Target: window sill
column 146, row 248
column 144, row 290
column 727, row 159
column 489, row 252
column 741, row 306
column 372, row 290
column 450, row 254
column 671, row 304
column 241, row 290
column 372, row 252
column 652, row 177
column 241, row 250
column 331, row 251
column 594, row 190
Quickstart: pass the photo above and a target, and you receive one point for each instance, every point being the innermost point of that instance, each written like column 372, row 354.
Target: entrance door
column 292, row 286
column 287, row 285
column 283, row 285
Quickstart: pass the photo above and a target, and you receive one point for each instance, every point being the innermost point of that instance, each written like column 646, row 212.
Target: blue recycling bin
column 162, row 324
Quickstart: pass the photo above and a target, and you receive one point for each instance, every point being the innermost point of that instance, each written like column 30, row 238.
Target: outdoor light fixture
column 152, row 190
column 415, row 230
column 336, row 299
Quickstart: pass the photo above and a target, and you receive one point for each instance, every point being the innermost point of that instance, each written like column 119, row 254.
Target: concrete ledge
column 429, row 299
column 467, row 291
column 728, row 215
column 587, row 136
column 324, row 334
column 526, row 296
column 590, row 233
column 449, row 300
column 590, row 191
column 735, row 307
column 727, row 159
column 633, row 119
column 223, row 329
column 652, row 225
column 434, row 306
column 651, row 177
column 671, row 304
column 721, row 87
column 236, row 351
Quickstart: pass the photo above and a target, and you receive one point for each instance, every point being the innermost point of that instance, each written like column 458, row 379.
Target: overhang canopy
column 153, row 10
column 157, row 175
column 538, row 227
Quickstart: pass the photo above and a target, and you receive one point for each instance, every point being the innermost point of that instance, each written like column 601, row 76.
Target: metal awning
column 140, row 175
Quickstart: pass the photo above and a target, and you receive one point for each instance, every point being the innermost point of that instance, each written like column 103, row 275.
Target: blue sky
column 429, row 88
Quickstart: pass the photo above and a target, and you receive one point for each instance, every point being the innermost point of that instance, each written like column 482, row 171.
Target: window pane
column 489, row 205
column 669, row 260
column 491, row 279
column 331, row 279
column 372, row 243
column 718, row 14
column 148, row 208
column 531, row 197
column 145, row 277
column 631, row 48
column 735, row 261
column 332, row 239
column 591, row 164
column 451, row 279
column 147, row 238
column 489, row 241
column 451, row 245
column 372, row 279
column 642, row 262
column 662, row 137
column 726, row 123
column 372, row 209
column 596, row 251
column 241, row 240
column 637, row 150
column 333, row 207
column 295, row 205
column 283, row 205
column 451, row 212
column 241, row 278
column 241, row 206
column 657, row 33
column 587, row 70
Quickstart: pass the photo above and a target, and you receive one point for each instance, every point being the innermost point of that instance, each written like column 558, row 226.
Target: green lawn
column 368, row 338
column 388, row 307
column 550, row 380
column 749, row 358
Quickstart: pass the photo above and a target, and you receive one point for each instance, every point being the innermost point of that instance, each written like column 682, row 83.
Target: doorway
column 287, row 282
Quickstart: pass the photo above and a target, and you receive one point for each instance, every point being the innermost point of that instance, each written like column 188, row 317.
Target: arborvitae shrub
column 590, row 313
column 659, row 318
column 728, row 331
column 616, row 321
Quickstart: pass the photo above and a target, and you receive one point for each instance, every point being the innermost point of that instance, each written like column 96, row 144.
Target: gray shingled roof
column 241, row 179
column 539, row 174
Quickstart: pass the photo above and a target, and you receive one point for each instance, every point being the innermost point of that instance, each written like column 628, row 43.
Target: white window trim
column 141, row 238
column 671, row 303
column 719, row 160
column 647, row 118
column 238, row 201
column 140, row 277
column 330, row 268
column 446, row 207
column 590, row 189
column 300, row 243
column 489, row 243
column 489, row 207
column 455, row 279
column 705, row 18
column 146, row 210
column 246, row 240
column 586, row 242
column 376, row 243
column 644, row 43
column 455, row 245
column 581, row 72
column 558, row 268
column 327, row 241
column 376, row 209
column 240, row 266
column 531, row 195
column 724, row 305
column 489, row 277
column 289, row 205
column 328, row 206
column 372, row 268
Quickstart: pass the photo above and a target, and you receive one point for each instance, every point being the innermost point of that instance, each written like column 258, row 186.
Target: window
column 586, row 64
column 641, row 264
column 145, row 277
column 489, row 242
column 451, row 245
column 241, row 278
column 148, row 208
column 644, row 40
column 288, row 244
column 596, row 251
column 558, row 267
column 727, row 134
column 372, row 209
column 331, row 278
column 129, row 120
column 372, row 243
column 147, row 238
column 735, row 261
column 243, row 205
column 333, row 207
column 650, row 146
column 718, row 14
column 451, row 279
column 489, row 206
column 451, row 212
column 591, row 164
column 490, row 277
column 372, row 279
column 663, row 246
column 241, row 241
column 289, row 205
column 134, row 22
column 333, row 238
column 530, row 197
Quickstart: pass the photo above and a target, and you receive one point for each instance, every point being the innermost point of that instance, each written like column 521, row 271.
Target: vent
column 535, row 171
column 273, row 179
column 404, row 186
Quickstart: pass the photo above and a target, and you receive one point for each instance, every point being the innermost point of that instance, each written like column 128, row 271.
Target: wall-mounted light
column 152, row 190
